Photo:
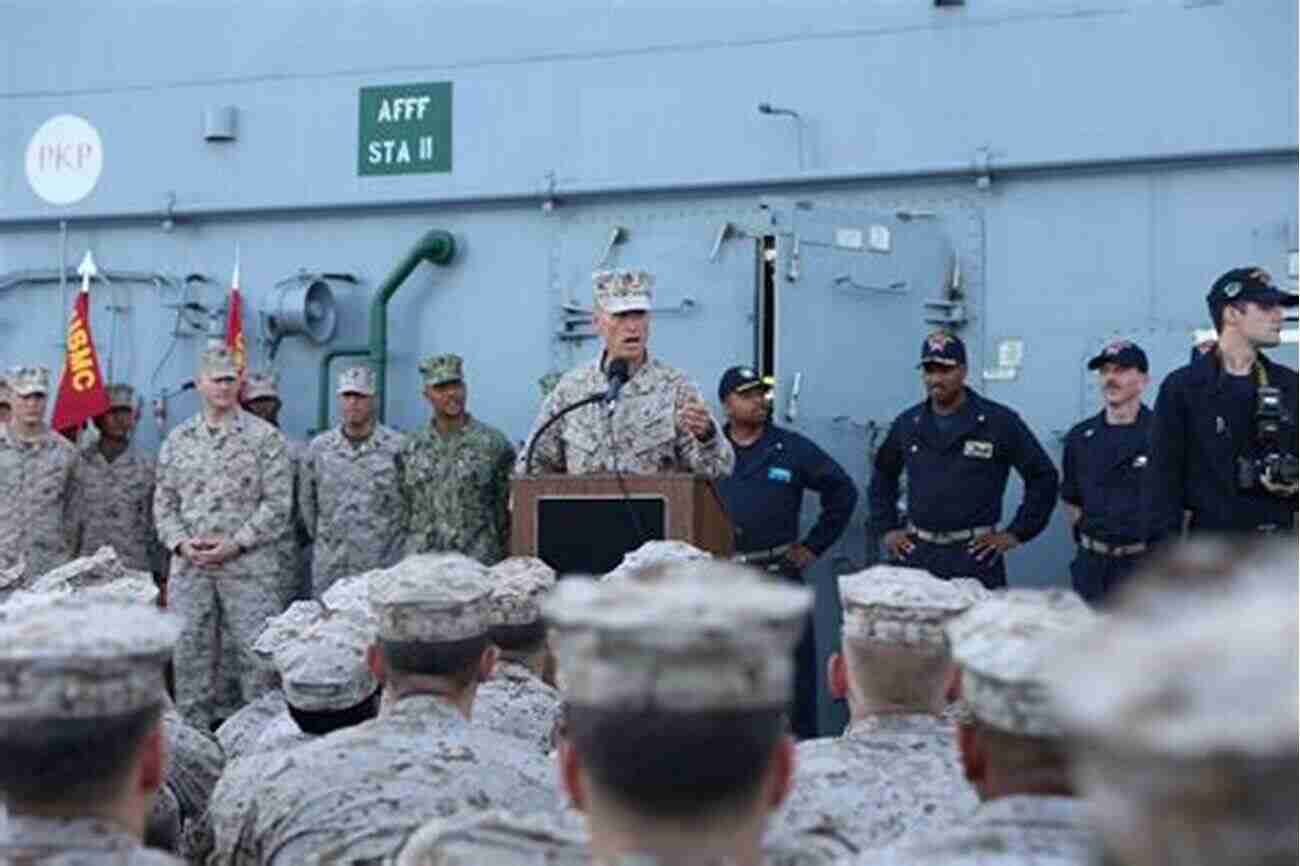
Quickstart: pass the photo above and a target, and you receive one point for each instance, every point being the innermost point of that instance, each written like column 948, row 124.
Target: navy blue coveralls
column 1204, row 420
column 763, row 496
column 956, row 480
column 1102, row 474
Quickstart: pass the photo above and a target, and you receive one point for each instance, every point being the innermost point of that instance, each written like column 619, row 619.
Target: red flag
column 235, row 322
column 82, row 395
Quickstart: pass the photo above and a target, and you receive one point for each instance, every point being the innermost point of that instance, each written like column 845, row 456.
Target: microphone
column 618, row 375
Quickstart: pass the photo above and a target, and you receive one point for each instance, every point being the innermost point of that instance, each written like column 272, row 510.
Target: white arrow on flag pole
column 87, row 270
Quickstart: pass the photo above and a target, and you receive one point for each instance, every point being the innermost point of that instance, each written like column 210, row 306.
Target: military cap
column 6, row 392
column 519, row 584
column 325, row 668
column 121, row 397
column 357, row 380
column 102, row 566
column 432, row 598
column 654, row 555
column 126, row 590
column 890, row 604
column 353, row 595
column 1247, row 284
column 942, row 347
column 218, row 362
column 1005, row 645
column 26, row 381
column 83, row 659
column 1121, row 353
column 622, row 290
column 260, row 385
column 286, row 627
column 441, row 369
column 707, row 636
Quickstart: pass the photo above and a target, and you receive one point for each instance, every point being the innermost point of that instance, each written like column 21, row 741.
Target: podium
column 583, row 524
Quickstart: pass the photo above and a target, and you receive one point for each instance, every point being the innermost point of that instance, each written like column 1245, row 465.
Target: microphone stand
column 585, row 401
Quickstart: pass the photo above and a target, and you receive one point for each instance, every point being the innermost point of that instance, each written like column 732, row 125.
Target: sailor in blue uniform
column 1103, row 471
column 958, row 449
column 764, row 495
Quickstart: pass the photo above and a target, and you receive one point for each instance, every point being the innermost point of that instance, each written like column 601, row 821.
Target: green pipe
column 438, row 247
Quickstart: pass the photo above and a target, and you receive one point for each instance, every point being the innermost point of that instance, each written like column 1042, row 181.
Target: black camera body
column 1276, row 465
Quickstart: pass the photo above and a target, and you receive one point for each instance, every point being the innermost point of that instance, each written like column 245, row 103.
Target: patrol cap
column 286, row 627
column 83, row 659
column 218, row 362
column 325, row 668
column 1247, row 284
column 1123, row 353
column 101, row 567
column 653, row 556
column 352, row 594
column 942, row 347
column 1005, row 646
column 259, row 386
column 909, row 606
column 357, row 380
column 737, row 380
column 26, row 381
column 519, row 585
column 441, row 369
column 708, row 636
column 432, row 598
column 622, row 290
column 121, row 397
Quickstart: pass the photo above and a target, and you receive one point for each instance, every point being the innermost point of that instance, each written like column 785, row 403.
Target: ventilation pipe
column 436, row 247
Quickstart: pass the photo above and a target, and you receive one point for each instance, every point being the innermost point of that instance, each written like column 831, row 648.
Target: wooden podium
column 583, row 524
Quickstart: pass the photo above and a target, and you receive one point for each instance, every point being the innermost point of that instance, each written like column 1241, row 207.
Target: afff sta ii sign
column 405, row 129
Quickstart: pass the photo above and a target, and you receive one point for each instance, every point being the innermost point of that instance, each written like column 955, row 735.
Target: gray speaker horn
column 304, row 306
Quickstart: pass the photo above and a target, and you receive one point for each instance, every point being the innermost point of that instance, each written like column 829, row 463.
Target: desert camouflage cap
column 29, row 380
column 441, row 369
column 622, row 290
column 1005, row 645
column 83, row 659
column 218, row 362
column 353, row 595
column 357, row 380
column 432, row 598
column 99, row 569
column 653, row 556
column 707, row 636
column 519, row 585
column 287, row 627
column 325, row 668
column 909, row 606
column 260, row 385
column 121, row 397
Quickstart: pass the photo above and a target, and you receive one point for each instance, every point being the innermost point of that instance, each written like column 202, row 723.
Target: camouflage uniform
column 351, row 503
column 358, row 792
column 240, row 732
column 639, row 434
column 258, row 386
column 117, row 508
column 517, row 704
column 39, row 488
column 456, row 485
column 79, row 659
column 235, row 482
column 194, row 763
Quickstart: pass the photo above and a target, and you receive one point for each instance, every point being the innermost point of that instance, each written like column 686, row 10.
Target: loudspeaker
column 302, row 307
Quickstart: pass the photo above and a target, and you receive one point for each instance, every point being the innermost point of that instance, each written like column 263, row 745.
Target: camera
column 1276, row 465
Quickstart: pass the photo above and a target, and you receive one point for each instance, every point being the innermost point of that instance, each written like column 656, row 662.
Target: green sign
column 405, row 129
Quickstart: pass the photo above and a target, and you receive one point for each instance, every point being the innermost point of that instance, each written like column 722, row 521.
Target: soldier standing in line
column 1012, row 747
column 349, row 488
column 116, row 505
column 517, row 701
column 1186, row 751
column 895, row 769
column 40, row 480
column 222, row 503
column 260, row 396
column 658, row 424
column 355, row 794
column 82, row 752
column 456, row 473
column 958, row 449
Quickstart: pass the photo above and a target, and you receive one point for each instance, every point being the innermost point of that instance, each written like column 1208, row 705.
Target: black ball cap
column 739, row 379
column 1123, row 353
column 1248, row 284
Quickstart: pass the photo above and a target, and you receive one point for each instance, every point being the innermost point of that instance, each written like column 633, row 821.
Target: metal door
column 856, row 291
column 704, row 295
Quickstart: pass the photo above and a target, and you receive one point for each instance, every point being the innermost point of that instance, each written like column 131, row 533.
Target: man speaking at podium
column 643, row 416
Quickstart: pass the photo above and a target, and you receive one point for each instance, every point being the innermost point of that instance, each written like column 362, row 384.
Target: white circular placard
column 64, row 159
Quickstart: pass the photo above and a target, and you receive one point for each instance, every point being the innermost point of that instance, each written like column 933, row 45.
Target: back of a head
column 84, row 688
column 1188, row 751
column 675, row 690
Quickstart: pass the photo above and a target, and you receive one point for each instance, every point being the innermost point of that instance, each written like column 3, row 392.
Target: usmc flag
column 235, row 322
column 82, row 394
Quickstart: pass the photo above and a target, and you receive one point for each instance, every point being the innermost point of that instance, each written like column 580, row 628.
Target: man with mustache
column 958, row 449
column 1104, row 467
